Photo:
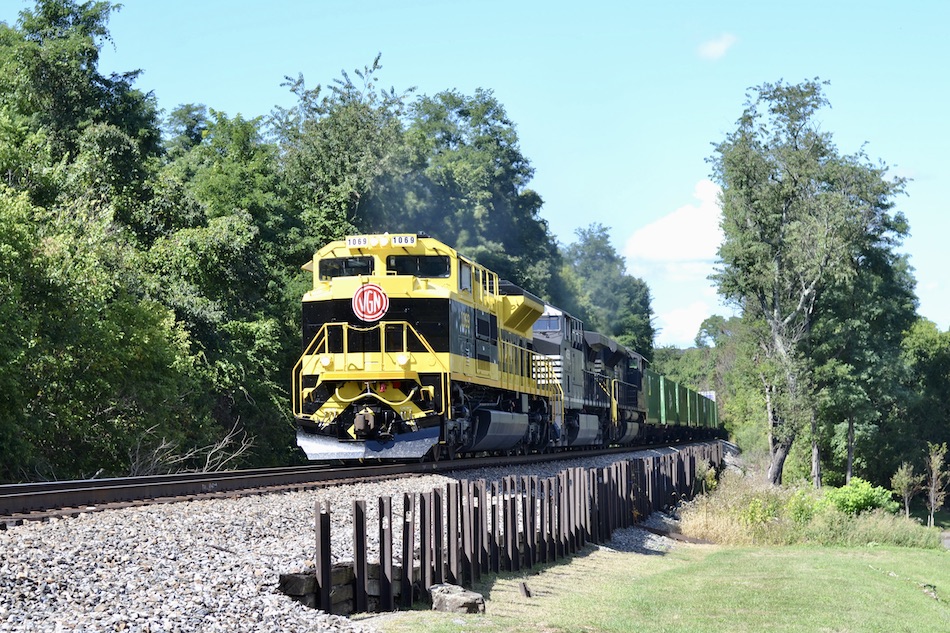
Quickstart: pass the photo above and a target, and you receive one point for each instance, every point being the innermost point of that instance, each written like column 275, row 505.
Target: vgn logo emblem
column 370, row 302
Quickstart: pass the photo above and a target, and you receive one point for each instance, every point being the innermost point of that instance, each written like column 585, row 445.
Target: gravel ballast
column 206, row 565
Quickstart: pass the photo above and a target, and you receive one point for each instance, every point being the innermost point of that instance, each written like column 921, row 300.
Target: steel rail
column 36, row 501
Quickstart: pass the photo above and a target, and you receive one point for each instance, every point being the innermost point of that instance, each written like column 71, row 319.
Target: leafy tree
column 96, row 365
column 52, row 86
column 795, row 215
column 906, row 484
column 223, row 268
column 926, row 353
column 937, row 476
column 855, row 345
column 724, row 362
column 146, row 303
column 610, row 301
column 185, row 128
column 704, row 366
column 466, row 182
column 21, row 266
column 335, row 148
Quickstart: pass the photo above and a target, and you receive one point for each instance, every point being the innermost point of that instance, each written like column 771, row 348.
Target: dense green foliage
column 828, row 364
column 151, row 265
column 724, row 360
column 609, row 300
column 151, row 278
column 827, row 345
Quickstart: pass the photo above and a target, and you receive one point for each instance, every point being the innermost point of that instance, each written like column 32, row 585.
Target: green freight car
column 676, row 412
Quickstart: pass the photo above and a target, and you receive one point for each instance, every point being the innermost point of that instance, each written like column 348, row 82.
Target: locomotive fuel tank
column 583, row 431
column 497, row 430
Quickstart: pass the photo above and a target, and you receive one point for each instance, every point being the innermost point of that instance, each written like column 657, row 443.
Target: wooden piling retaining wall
column 469, row 528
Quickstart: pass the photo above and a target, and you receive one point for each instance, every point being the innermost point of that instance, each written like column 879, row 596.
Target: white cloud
column 717, row 48
column 675, row 256
column 679, row 326
column 689, row 235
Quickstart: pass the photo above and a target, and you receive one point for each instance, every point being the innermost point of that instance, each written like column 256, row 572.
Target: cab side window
column 465, row 276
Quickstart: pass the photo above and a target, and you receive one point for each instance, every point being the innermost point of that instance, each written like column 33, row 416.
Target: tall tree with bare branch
column 795, row 213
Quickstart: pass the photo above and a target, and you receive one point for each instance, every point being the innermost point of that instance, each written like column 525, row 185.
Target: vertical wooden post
column 452, row 533
column 495, row 539
column 582, row 503
column 656, row 477
column 468, row 562
column 572, row 510
column 531, row 521
column 588, row 476
column 437, row 537
column 425, row 541
column 475, row 500
column 324, row 584
column 598, row 516
column 547, row 537
column 408, row 538
column 484, row 516
column 526, row 523
column 562, row 515
column 385, row 553
column 628, row 488
column 615, row 497
column 511, row 527
column 644, row 490
column 359, row 555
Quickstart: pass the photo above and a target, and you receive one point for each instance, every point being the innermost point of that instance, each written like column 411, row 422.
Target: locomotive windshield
column 547, row 323
column 345, row 267
column 419, row 265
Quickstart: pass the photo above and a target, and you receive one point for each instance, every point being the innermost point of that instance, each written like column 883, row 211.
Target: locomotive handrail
column 545, row 374
column 319, row 344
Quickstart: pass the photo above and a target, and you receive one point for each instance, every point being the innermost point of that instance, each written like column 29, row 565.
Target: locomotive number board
column 373, row 241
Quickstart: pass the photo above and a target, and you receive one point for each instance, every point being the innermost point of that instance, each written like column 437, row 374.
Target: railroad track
column 43, row 500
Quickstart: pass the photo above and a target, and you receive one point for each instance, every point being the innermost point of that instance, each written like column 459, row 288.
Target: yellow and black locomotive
column 411, row 350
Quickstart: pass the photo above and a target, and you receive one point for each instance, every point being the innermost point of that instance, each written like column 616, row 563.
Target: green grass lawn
column 716, row 589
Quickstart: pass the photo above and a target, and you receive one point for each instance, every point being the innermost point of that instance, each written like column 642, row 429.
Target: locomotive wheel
column 443, row 452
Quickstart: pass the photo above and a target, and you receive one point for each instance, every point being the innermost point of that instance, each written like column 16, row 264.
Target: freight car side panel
column 671, row 401
column 652, row 384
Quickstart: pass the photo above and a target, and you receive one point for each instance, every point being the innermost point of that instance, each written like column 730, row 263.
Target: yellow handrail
column 320, row 344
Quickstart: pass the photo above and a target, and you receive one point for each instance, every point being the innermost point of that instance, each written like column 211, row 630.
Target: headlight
column 402, row 360
column 326, row 361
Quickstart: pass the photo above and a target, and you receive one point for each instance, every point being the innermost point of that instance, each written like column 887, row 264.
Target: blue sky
column 617, row 104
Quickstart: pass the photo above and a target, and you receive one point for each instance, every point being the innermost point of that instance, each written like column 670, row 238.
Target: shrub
column 881, row 526
column 860, row 496
column 832, row 526
column 706, row 477
column 801, row 506
column 744, row 511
